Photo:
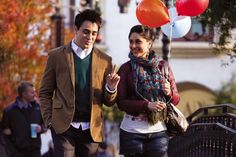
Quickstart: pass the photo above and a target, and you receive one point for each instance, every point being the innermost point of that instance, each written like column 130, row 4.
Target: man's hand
column 113, row 79
column 7, row 131
column 38, row 128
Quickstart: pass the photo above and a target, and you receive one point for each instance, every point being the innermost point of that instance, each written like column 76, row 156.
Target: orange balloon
column 152, row 13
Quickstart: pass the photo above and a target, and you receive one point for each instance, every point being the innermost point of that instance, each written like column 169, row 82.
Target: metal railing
column 204, row 111
column 212, row 133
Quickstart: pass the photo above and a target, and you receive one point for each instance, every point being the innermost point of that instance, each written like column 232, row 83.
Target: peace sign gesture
column 113, row 79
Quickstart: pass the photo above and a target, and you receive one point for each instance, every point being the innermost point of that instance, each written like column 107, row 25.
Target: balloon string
column 172, row 3
column 171, row 30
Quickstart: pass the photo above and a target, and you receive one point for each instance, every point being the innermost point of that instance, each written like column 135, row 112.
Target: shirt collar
column 21, row 104
column 78, row 50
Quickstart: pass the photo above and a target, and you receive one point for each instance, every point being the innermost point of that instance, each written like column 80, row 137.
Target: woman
column 142, row 93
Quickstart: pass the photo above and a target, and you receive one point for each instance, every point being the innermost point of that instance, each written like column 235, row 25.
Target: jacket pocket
column 57, row 105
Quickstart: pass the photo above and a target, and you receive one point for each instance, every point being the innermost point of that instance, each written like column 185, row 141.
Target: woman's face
column 138, row 45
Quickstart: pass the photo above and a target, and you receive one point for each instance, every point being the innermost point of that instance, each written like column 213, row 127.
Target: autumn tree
column 220, row 15
column 24, row 39
column 227, row 92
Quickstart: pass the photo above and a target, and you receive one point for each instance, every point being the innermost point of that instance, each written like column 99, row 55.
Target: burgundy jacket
column 128, row 101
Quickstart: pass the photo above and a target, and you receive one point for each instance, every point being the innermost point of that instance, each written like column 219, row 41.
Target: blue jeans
column 144, row 145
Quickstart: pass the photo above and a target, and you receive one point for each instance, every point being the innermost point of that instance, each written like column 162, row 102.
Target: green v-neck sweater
column 82, row 88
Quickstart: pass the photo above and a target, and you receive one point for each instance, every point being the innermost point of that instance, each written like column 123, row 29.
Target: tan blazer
column 57, row 90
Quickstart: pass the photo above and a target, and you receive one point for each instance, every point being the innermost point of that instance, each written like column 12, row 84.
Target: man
column 17, row 120
column 77, row 80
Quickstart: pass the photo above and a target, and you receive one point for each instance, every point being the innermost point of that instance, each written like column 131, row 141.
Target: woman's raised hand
column 166, row 87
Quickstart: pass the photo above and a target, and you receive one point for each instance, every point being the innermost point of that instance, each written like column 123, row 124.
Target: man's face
column 86, row 35
column 29, row 94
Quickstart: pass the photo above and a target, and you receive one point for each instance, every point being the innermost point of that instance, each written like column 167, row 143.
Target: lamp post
column 123, row 4
column 87, row 3
column 72, row 15
column 165, row 42
column 57, row 37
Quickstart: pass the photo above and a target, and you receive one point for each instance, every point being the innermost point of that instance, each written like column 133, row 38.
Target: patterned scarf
column 147, row 77
column 147, row 81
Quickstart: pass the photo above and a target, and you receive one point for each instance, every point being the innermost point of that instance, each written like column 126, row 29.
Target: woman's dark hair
column 88, row 15
column 144, row 31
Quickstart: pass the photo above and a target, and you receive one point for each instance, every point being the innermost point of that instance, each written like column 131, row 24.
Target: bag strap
column 165, row 70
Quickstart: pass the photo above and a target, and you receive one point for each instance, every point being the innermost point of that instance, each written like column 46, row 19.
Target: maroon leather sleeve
column 174, row 95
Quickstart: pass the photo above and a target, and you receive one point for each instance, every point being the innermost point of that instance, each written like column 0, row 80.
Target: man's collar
column 21, row 104
column 78, row 49
column 75, row 47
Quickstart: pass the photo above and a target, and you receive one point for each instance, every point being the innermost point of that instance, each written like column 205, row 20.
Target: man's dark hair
column 88, row 15
column 23, row 86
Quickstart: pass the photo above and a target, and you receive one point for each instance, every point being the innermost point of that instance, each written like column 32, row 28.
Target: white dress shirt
column 79, row 52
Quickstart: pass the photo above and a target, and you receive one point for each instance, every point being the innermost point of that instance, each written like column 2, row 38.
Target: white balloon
column 178, row 26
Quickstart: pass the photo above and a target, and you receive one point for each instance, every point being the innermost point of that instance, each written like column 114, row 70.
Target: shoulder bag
column 176, row 122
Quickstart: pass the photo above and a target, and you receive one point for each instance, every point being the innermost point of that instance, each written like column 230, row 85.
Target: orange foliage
column 23, row 38
column 69, row 34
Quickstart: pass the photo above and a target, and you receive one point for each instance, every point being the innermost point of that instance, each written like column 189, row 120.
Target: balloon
column 191, row 7
column 152, row 13
column 178, row 26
